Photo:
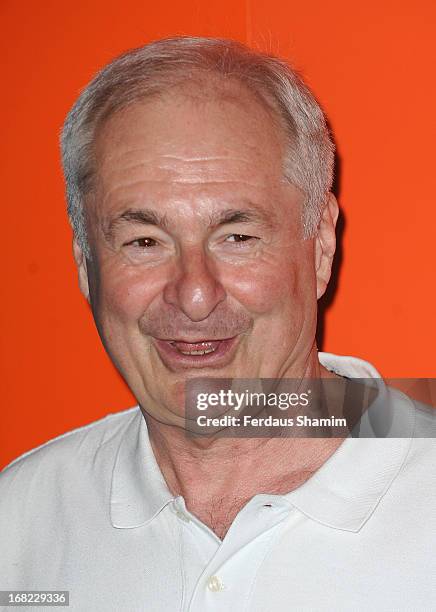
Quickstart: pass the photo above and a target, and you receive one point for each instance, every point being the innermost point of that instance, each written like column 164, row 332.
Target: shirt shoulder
column 71, row 451
column 416, row 479
column 422, row 454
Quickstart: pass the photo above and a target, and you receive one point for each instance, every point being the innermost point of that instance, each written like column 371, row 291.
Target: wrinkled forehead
column 189, row 153
column 198, row 120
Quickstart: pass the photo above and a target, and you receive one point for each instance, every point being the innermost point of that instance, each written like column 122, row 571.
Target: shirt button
column 214, row 584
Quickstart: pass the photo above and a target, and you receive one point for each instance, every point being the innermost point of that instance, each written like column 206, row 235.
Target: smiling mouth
column 198, row 353
column 204, row 347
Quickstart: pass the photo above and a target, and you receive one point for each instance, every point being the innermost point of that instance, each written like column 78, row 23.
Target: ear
column 325, row 244
column 82, row 270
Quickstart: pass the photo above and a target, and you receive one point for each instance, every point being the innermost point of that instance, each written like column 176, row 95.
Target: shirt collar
column 139, row 491
column 342, row 494
column 347, row 488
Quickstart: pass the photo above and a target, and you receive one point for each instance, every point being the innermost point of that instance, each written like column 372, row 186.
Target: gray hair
column 154, row 68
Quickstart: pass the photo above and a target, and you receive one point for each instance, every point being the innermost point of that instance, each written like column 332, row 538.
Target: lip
column 175, row 360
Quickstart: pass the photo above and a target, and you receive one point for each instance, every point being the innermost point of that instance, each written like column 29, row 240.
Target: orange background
column 371, row 64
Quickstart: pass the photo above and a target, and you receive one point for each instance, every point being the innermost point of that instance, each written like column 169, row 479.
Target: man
column 198, row 180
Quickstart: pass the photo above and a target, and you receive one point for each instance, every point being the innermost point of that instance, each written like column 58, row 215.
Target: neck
column 217, row 477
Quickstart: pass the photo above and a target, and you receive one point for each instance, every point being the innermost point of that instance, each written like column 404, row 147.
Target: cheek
column 122, row 293
column 275, row 282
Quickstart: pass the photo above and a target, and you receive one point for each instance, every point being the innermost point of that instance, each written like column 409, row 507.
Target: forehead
column 188, row 142
column 195, row 120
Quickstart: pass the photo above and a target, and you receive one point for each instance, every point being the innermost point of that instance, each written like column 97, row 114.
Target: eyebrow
column 143, row 216
column 147, row 216
column 253, row 214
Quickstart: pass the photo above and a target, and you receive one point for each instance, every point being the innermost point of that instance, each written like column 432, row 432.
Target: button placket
column 228, row 578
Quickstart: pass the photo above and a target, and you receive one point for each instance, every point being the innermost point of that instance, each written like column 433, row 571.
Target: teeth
column 201, row 348
column 205, row 352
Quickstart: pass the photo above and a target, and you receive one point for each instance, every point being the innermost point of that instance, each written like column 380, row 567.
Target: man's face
column 199, row 268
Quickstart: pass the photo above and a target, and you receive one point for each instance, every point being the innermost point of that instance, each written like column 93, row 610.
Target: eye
column 143, row 243
column 240, row 238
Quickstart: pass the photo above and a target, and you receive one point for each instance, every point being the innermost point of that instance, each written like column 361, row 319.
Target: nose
column 195, row 288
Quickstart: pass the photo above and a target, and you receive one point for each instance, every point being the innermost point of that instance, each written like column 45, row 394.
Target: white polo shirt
column 89, row 512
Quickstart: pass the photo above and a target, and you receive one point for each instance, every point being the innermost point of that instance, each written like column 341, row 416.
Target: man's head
column 198, row 178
